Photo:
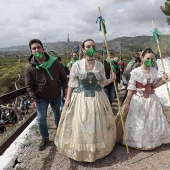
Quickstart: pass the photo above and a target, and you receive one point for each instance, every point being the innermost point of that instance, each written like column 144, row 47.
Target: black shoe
column 43, row 144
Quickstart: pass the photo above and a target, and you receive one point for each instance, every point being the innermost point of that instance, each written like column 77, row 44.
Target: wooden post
column 162, row 62
column 108, row 55
column 46, row 47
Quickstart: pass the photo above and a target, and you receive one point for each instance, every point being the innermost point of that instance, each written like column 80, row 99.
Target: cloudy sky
column 22, row 20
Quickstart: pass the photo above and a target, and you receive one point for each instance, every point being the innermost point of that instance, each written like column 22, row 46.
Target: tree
column 15, row 108
column 8, row 75
column 166, row 10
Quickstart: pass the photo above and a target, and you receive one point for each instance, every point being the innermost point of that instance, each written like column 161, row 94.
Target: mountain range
column 125, row 44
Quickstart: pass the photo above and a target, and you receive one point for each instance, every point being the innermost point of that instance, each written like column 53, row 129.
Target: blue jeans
column 42, row 106
column 110, row 92
column 62, row 103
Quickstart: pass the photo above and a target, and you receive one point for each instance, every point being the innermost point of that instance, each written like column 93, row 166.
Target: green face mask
column 91, row 52
column 39, row 55
column 138, row 65
column 75, row 58
column 148, row 63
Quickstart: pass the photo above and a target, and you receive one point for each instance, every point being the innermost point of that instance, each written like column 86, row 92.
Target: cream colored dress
column 87, row 129
column 146, row 125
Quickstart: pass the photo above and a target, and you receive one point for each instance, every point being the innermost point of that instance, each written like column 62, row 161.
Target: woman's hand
column 112, row 75
column 126, row 108
column 67, row 103
column 164, row 77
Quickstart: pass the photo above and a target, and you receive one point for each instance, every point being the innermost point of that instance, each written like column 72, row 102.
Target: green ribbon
column 46, row 65
column 73, row 61
column 102, row 21
column 113, row 65
column 104, row 49
column 156, row 34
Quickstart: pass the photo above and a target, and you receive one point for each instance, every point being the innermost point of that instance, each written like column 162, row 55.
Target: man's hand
column 34, row 104
column 65, row 93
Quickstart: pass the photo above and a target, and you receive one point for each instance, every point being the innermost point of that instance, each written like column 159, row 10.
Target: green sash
column 46, row 65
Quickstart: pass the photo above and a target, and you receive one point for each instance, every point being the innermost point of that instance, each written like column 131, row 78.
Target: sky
column 53, row 20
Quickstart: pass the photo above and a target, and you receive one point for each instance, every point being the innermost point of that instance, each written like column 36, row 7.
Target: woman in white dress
column 146, row 125
column 87, row 129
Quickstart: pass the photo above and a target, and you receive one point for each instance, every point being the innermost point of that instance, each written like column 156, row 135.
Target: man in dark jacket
column 43, row 75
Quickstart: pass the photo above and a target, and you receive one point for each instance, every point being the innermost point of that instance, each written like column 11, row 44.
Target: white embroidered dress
column 146, row 125
column 87, row 129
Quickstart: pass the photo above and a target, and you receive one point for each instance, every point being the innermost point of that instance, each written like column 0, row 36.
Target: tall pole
column 67, row 53
column 80, row 39
column 79, row 51
column 103, row 53
column 67, row 46
column 162, row 62
column 46, row 47
column 108, row 55
column 120, row 67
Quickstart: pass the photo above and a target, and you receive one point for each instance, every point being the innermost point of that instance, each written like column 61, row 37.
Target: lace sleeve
column 103, row 79
column 132, row 82
column 73, row 80
column 156, row 78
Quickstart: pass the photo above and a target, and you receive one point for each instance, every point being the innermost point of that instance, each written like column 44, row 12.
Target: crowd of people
column 86, row 127
column 8, row 117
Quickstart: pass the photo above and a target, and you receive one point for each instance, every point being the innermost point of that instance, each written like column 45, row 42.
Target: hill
column 126, row 44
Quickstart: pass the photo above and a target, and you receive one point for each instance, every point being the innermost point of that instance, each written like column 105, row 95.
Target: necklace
column 90, row 60
column 90, row 81
column 90, row 78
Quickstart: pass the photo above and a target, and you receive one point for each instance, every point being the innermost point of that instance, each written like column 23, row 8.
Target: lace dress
column 146, row 125
column 87, row 129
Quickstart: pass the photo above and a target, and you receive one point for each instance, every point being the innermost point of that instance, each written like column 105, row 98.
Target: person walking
column 43, row 75
column 87, row 129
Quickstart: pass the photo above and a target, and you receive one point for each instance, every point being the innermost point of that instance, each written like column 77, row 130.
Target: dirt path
column 50, row 159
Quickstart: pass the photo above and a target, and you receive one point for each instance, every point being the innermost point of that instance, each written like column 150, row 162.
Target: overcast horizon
column 22, row 20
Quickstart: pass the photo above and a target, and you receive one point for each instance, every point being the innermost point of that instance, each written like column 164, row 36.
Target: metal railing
column 9, row 140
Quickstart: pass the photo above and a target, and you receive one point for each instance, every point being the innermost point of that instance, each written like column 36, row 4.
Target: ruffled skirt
column 145, row 124
column 87, row 129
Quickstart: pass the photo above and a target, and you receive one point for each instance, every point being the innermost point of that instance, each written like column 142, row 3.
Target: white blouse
column 138, row 76
column 78, row 71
